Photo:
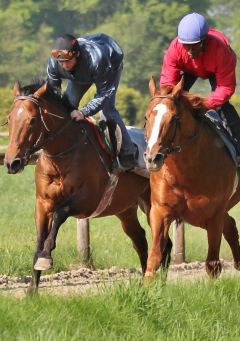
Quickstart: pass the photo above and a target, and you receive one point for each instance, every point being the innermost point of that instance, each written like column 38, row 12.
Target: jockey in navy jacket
column 100, row 58
column 91, row 59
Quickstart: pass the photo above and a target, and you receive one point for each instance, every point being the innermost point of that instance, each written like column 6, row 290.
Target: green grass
column 109, row 245
column 200, row 311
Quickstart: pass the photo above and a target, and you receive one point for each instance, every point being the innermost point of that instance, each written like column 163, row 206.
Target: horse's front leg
column 214, row 232
column 43, row 221
column 44, row 260
column 161, row 243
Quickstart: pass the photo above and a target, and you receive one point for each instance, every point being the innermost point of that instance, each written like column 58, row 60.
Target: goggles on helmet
column 62, row 55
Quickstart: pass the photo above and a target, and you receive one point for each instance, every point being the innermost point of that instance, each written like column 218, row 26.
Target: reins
column 112, row 177
column 37, row 146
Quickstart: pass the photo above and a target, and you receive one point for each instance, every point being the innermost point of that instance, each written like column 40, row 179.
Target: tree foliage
column 143, row 28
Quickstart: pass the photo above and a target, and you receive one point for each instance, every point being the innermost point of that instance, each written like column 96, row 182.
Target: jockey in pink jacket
column 202, row 52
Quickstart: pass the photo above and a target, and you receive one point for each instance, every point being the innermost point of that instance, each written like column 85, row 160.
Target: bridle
column 174, row 148
column 50, row 134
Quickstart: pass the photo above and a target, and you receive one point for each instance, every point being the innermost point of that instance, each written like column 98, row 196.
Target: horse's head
column 162, row 120
column 170, row 122
column 28, row 125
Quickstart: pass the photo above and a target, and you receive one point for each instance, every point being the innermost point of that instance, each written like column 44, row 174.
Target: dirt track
column 86, row 281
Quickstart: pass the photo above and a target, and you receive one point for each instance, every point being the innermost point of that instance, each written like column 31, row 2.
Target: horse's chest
column 56, row 187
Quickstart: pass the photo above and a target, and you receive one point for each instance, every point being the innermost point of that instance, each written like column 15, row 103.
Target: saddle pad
column 214, row 120
column 103, row 142
column 138, row 138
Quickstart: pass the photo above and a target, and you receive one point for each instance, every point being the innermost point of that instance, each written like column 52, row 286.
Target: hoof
column 43, row 264
column 213, row 269
column 31, row 291
column 149, row 277
column 150, row 273
column 237, row 265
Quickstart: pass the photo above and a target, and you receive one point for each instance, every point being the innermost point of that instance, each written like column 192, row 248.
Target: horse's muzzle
column 154, row 164
column 14, row 166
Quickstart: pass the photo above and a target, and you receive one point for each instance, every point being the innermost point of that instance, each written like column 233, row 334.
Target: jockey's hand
column 77, row 115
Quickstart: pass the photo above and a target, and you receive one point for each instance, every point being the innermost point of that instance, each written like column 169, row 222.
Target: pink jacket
column 217, row 59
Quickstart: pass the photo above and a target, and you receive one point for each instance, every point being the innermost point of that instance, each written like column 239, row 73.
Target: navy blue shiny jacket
column 100, row 57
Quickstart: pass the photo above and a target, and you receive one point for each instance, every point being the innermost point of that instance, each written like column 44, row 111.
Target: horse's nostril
column 147, row 158
column 159, row 157
column 14, row 166
column 16, row 163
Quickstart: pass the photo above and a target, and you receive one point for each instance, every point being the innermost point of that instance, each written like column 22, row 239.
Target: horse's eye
column 175, row 118
column 32, row 122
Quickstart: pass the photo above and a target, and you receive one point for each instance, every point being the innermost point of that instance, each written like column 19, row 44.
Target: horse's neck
column 196, row 147
column 189, row 126
column 60, row 137
column 77, row 141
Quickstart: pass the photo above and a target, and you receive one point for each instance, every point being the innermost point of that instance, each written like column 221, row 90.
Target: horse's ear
column 17, row 89
column 178, row 88
column 41, row 90
column 152, row 86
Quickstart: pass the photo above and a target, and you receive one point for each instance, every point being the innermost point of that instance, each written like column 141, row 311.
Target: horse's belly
column 198, row 210
column 194, row 219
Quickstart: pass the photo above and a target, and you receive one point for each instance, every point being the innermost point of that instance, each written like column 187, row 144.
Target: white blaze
column 19, row 111
column 161, row 110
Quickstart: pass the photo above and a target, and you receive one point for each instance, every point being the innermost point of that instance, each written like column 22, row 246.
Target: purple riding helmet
column 192, row 29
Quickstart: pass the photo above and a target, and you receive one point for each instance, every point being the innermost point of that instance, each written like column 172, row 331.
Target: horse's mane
column 37, row 84
column 34, row 86
column 195, row 102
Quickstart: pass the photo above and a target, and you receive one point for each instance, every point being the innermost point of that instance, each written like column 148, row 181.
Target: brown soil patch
column 86, row 281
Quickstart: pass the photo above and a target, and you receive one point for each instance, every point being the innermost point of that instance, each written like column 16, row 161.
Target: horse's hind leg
column 133, row 229
column 230, row 233
column 167, row 255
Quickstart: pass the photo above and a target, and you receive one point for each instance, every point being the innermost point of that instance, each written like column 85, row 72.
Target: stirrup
column 238, row 161
column 119, row 168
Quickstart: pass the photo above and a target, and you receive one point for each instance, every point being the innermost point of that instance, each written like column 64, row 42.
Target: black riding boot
column 233, row 122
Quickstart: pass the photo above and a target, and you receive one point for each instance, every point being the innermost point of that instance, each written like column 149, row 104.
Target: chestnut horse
column 71, row 173
column 193, row 178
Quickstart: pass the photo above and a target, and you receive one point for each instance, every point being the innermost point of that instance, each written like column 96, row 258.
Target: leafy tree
column 144, row 29
column 6, row 98
column 130, row 103
column 226, row 15
column 23, row 51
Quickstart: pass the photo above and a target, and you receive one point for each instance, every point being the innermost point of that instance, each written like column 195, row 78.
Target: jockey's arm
column 171, row 71
column 53, row 78
column 104, row 92
column 225, row 79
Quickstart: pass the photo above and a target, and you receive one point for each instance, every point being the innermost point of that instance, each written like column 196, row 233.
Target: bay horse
column 71, row 173
column 192, row 176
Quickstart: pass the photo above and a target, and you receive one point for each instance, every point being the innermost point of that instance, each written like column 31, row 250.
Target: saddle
column 219, row 125
column 110, row 139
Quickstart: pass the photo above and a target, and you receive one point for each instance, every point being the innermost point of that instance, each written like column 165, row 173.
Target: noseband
column 176, row 119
